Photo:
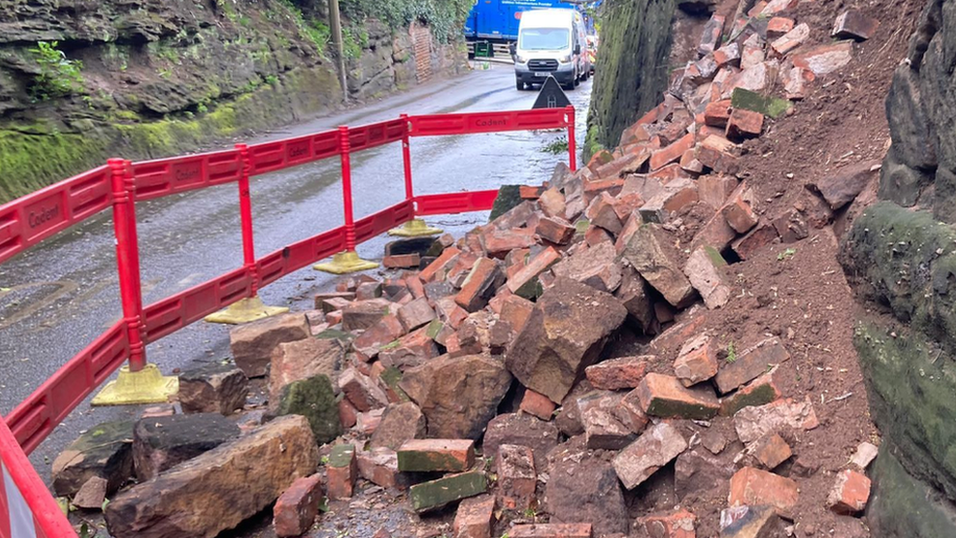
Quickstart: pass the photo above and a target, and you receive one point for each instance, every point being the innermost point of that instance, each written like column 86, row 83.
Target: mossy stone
column 313, row 398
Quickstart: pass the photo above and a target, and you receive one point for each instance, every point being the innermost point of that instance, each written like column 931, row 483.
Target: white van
column 551, row 42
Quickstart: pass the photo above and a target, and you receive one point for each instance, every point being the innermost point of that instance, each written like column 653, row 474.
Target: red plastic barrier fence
column 29, row 220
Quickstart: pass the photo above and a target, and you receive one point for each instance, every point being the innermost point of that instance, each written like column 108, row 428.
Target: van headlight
column 565, row 59
column 521, row 59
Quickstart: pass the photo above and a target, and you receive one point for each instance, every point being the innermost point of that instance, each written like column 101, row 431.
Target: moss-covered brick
column 428, row 455
column 764, row 104
column 342, row 456
column 437, row 493
column 314, row 399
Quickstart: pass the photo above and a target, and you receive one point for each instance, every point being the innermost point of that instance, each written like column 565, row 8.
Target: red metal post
column 347, row 189
column 127, row 259
column 407, row 159
column 572, row 146
column 245, row 216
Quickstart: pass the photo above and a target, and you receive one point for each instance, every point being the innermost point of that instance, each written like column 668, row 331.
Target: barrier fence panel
column 163, row 177
column 26, row 221
column 27, row 510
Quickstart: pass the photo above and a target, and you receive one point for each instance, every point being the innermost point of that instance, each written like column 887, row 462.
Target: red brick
column 555, row 230
column 361, row 391
column 368, row 290
column 631, row 224
column 616, row 374
column 750, row 364
column 367, row 423
column 728, row 54
column 760, row 391
column 679, row 524
column 711, row 35
column 791, row 40
column 672, row 152
column 600, row 157
column 334, row 318
column 697, row 361
column 739, row 210
column 415, row 285
column 321, row 298
column 627, row 163
column 437, row 269
column 479, row 287
column 552, row 530
column 717, row 113
column 854, row 24
column 669, row 173
column 380, row 467
column 689, row 162
column 595, row 236
column 427, row 455
column 528, row 192
column 744, row 124
column 295, row 510
column 498, row 243
column 750, row 486
column 517, row 478
column 515, row 311
column 715, row 153
column 416, row 314
column 706, row 271
column 535, row 266
column 601, row 213
column 654, row 449
column 747, row 246
column 475, row 517
column 341, row 472
column 664, row 396
column 778, row 26
column 825, row 59
column 387, row 330
column 850, row 493
column 770, row 450
column 714, row 189
column 347, row 413
column 402, row 260
column 537, row 404
column 626, row 203
column 675, row 336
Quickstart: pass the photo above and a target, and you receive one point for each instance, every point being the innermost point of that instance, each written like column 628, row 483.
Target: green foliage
column 445, row 17
column 786, row 255
column 558, row 147
column 58, row 76
column 731, row 352
column 272, row 80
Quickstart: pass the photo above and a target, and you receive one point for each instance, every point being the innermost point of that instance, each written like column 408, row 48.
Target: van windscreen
column 543, row 38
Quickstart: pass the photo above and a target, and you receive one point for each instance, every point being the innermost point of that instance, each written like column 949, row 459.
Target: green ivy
column 58, row 76
column 445, row 17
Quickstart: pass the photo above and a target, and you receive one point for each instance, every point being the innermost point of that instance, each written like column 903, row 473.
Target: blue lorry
column 492, row 25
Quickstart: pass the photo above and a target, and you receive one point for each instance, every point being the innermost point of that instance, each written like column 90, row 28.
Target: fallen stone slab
column 105, row 451
column 844, row 185
column 431, row 455
column 854, row 24
column 297, row 507
column 459, row 395
column 438, row 493
column 401, row 422
column 162, row 442
column 252, row 344
column 564, row 334
column 652, row 254
column 586, row 490
column 655, row 448
column 522, row 430
column 216, row 388
column 214, row 492
column 91, row 495
column 607, row 423
column 313, row 398
column 620, row 373
column 302, row 359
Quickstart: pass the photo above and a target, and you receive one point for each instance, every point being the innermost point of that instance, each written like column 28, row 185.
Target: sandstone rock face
column 651, row 252
column 216, row 491
column 313, row 398
column 400, row 422
column 586, row 491
column 217, row 388
column 457, row 395
column 162, row 442
column 564, row 334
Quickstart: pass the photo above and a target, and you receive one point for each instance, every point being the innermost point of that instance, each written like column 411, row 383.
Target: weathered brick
column 671, row 153
column 401, row 261
column 664, row 396
column 387, row 330
column 361, row 315
column 714, row 189
column 750, row 364
column 778, row 27
column 380, row 467
column 770, row 450
column 537, row 404
column 517, row 478
column 705, row 269
column 555, row 230
column 739, row 209
column 729, row 54
column 744, row 124
column 850, row 493
column 715, row 153
column 415, row 314
column 750, row 486
column 515, row 311
column 295, row 510
column 697, row 361
column 791, row 40
column 437, row 269
column 475, row 517
column 409, row 351
column 368, row 290
column 552, row 203
column 679, row 524
column 824, row 59
column 854, row 24
column 717, row 114
column 361, row 391
column 480, row 285
column 341, row 472
column 601, row 213
column 747, row 246
column 711, row 36
column 620, row 373
column 780, row 416
column 607, row 424
column 427, row 455
column 760, row 391
column 652, row 254
column 519, row 283
column 338, row 298
column 655, row 448
column 437, row 493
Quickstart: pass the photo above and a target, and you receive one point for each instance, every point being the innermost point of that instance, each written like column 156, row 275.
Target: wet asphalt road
column 56, row 298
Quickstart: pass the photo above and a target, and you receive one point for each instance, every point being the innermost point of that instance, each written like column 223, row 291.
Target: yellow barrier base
column 244, row 311
column 414, row 228
column 132, row 388
column 344, row 263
